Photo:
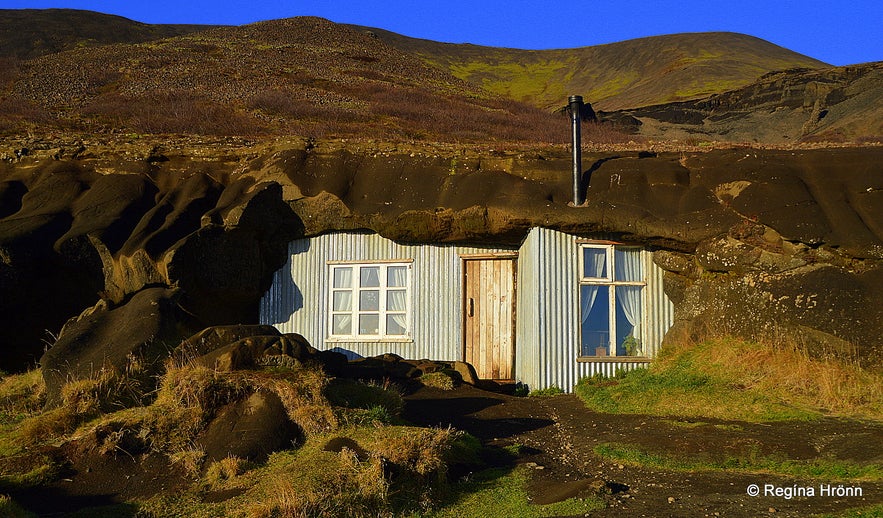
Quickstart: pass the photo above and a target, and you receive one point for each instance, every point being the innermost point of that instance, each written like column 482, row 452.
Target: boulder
column 250, row 428
column 129, row 339
column 228, row 348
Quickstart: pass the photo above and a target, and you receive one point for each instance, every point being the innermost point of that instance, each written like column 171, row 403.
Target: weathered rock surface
column 249, row 428
column 229, row 348
column 142, row 331
column 785, row 242
column 830, row 104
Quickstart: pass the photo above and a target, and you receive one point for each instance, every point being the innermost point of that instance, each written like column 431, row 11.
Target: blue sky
column 839, row 33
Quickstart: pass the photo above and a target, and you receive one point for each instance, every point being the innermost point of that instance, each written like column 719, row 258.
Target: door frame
column 498, row 256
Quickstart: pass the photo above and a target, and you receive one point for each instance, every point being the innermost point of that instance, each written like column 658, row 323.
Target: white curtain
column 342, row 324
column 588, row 300
column 593, row 266
column 343, row 277
column 628, row 264
column 397, row 300
column 629, row 299
column 397, row 277
column 343, row 301
column 370, row 277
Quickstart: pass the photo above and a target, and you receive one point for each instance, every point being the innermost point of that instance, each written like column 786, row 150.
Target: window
column 610, row 295
column 369, row 300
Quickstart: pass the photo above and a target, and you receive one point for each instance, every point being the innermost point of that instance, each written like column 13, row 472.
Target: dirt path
column 559, row 435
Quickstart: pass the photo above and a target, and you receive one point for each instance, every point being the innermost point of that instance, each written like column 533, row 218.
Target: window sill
column 369, row 340
column 613, row 359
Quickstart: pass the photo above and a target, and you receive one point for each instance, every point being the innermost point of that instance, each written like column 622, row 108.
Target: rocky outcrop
column 754, row 242
column 838, row 104
column 75, row 235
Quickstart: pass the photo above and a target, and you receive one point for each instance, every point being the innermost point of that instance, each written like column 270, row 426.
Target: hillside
column 628, row 74
column 305, row 76
column 29, row 33
column 92, row 73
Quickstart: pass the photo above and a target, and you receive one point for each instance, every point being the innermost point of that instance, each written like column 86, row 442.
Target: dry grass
column 728, row 378
column 218, row 473
column 320, row 483
column 787, row 372
column 400, row 470
column 21, row 395
column 439, row 379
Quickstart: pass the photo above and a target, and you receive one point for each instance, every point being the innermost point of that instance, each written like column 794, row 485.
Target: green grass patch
column 502, row 493
column 731, row 379
column 681, row 391
column 554, row 390
column 873, row 511
column 752, row 462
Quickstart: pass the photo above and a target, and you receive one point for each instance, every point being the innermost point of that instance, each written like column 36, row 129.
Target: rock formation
column 152, row 246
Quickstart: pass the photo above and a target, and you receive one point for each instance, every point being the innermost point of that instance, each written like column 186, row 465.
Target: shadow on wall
column 287, row 306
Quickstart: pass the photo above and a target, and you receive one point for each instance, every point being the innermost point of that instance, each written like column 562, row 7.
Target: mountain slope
column 29, row 33
column 305, row 76
column 615, row 76
column 834, row 104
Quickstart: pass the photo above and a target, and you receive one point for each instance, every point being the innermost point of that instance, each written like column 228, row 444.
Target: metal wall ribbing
column 298, row 300
column 547, row 320
column 548, row 313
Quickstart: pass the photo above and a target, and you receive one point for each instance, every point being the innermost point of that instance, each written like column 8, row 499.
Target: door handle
column 471, row 306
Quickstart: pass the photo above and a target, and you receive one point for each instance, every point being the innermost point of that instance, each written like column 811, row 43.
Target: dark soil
column 558, row 435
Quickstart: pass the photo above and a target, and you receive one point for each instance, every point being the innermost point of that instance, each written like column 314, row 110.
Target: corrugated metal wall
column 547, row 334
column 298, row 299
column 548, row 313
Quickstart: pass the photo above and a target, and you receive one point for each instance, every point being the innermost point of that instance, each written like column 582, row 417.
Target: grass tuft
column 443, row 380
column 731, row 379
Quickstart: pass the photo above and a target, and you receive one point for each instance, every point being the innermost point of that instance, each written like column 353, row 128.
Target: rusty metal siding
column 297, row 302
column 548, row 313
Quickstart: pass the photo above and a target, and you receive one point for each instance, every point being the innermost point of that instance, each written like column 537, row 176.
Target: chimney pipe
column 575, row 107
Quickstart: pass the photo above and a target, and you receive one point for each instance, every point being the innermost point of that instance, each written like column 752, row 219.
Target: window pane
column 342, row 325
column 628, row 265
column 343, row 301
column 369, row 277
column 395, row 324
column 595, row 320
column 595, row 263
column 396, row 300
column 369, row 324
column 369, row 300
column 397, row 276
column 343, row 277
column 628, row 321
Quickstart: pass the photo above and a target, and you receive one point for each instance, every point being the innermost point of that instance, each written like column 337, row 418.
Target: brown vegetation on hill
column 97, row 74
column 30, row 33
column 303, row 76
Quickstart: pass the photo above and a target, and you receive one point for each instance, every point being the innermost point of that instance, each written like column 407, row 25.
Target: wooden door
column 490, row 317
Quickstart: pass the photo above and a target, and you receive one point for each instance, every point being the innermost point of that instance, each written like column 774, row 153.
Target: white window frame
column 383, row 312
column 608, row 281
